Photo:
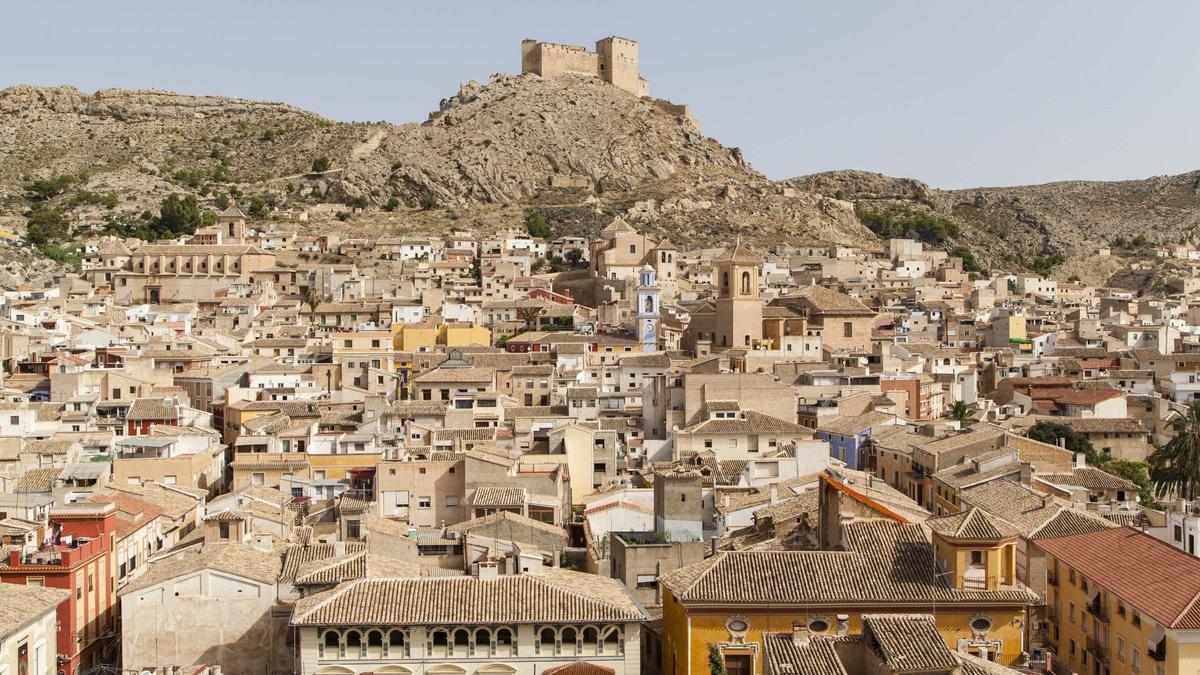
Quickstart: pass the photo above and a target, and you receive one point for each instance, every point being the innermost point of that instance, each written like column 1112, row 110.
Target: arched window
column 725, row 281
column 462, row 642
column 567, row 637
column 375, row 644
column 745, row 283
column 330, row 644
column 649, row 304
column 483, row 641
column 504, row 642
column 354, row 643
column 441, row 640
column 591, row 641
column 395, row 644
column 612, row 640
column 546, row 641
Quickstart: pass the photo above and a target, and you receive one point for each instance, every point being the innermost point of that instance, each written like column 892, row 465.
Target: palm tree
column 961, row 412
column 529, row 315
column 313, row 299
column 1176, row 465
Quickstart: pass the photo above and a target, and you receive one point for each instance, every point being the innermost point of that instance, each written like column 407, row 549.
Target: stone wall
column 615, row 61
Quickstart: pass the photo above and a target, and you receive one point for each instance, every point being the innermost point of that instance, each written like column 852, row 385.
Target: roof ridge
column 542, row 580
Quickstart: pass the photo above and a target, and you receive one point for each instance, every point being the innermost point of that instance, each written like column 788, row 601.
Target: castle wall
column 615, row 61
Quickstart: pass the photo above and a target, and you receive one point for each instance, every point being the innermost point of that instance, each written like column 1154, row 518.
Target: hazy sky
column 959, row 93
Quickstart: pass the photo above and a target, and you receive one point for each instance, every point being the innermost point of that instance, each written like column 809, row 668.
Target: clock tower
column 647, row 309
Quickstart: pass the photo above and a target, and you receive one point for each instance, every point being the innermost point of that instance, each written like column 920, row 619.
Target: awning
column 1156, row 638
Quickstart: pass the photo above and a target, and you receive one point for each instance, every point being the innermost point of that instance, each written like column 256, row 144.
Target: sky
column 958, row 94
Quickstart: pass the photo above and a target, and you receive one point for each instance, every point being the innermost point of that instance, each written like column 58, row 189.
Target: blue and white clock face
column 648, row 330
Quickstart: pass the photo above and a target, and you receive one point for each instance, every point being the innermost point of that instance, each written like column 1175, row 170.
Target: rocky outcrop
column 125, row 104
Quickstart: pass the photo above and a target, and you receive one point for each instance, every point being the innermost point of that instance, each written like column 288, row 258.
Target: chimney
column 774, row 493
column 487, row 570
column 1080, row 460
column 1026, row 473
column 799, row 633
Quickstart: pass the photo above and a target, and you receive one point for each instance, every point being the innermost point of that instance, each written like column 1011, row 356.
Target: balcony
column 1098, row 611
column 1159, row 653
column 1098, row 650
column 1052, row 579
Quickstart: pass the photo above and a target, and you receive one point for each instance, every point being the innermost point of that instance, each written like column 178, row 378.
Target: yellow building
column 429, row 335
column 733, row 600
column 1120, row 602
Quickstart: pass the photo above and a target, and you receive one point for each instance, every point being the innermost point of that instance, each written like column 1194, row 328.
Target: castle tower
column 738, row 305
column 648, row 309
column 618, row 64
column 678, row 505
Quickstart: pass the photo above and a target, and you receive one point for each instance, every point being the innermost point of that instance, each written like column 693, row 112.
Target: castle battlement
column 615, row 61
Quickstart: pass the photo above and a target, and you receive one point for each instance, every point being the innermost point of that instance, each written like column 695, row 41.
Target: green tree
column 573, row 256
column 961, row 412
column 320, row 164
column 392, row 204
column 1175, row 467
column 535, row 224
column 1050, row 432
column 46, row 225
column 42, row 189
column 716, row 662
column 428, row 203
column 179, row 214
column 1134, row 472
column 257, row 207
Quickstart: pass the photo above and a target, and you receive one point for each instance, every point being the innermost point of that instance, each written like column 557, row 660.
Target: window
column 451, row 501
column 16, row 419
column 1135, row 659
column 168, row 480
column 223, row 529
column 1071, row 612
column 424, row 502
column 258, row 478
column 647, row 581
column 739, row 664
column 847, row 329
column 1120, row 649
column 976, row 557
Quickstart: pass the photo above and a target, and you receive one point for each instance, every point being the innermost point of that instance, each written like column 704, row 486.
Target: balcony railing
column 1098, row 649
column 1099, row 611
column 1159, row 653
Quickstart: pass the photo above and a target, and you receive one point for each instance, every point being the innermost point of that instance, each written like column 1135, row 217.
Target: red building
column 77, row 556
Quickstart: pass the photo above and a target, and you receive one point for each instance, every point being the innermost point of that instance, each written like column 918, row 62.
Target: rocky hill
column 1071, row 218
column 577, row 148
column 516, row 140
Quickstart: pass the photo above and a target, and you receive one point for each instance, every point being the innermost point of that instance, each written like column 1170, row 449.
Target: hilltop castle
column 615, row 61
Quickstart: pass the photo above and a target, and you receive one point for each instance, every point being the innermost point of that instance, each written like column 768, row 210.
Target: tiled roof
column 852, row 425
column 810, row 577
column 909, row 642
column 753, row 422
column 37, row 480
column 47, row 448
column 554, row 596
column 499, row 496
column 1153, row 577
column 1067, row 522
column 238, row 559
column 151, row 409
column 823, row 300
column 783, row 655
column 1090, row 478
column 357, row 565
column 452, row 375
column 506, row 516
column 22, row 604
column 973, row 524
column 294, row 557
